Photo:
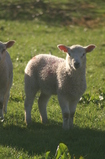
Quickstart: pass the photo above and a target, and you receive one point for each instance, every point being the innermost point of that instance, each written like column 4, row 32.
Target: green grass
column 38, row 27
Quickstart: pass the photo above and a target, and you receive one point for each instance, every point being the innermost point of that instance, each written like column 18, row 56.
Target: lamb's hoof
column 5, row 110
column 1, row 119
column 66, row 128
column 44, row 121
column 28, row 122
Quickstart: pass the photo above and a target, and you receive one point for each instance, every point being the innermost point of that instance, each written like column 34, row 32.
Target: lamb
column 6, row 76
column 56, row 76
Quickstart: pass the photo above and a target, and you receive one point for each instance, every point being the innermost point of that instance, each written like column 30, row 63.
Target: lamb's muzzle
column 76, row 64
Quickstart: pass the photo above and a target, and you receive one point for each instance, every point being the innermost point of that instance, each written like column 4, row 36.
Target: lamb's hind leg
column 30, row 91
column 28, row 106
column 42, row 103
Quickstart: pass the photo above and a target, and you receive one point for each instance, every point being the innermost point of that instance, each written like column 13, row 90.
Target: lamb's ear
column 9, row 43
column 63, row 48
column 90, row 48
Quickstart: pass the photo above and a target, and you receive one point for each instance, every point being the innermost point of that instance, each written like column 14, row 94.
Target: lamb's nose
column 76, row 64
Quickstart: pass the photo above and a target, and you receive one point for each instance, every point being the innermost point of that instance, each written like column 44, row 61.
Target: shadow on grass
column 38, row 139
column 51, row 13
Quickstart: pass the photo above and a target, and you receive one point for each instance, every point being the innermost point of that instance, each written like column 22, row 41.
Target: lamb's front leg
column 65, row 111
column 72, row 108
column 7, row 94
column 6, row 98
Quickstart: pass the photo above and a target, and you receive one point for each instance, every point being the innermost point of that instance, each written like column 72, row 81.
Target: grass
column 38, row 27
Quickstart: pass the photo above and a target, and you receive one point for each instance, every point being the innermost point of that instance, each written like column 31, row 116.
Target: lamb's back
column 44, row 70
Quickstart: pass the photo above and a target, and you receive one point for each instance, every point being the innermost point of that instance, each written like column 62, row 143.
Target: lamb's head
column 76, row 54
column 3, row 47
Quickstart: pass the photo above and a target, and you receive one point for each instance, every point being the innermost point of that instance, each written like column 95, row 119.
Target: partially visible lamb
column 6, row 76
column 53, row 75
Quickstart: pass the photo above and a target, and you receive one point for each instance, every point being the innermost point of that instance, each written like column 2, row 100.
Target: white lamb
column 52, row 75
column 6, row 76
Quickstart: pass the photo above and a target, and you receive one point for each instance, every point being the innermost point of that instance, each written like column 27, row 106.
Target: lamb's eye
column 3, row 51
column 83, row 55
column 69, row 54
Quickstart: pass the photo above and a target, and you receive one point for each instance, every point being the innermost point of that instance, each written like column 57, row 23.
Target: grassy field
column 38, row 27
